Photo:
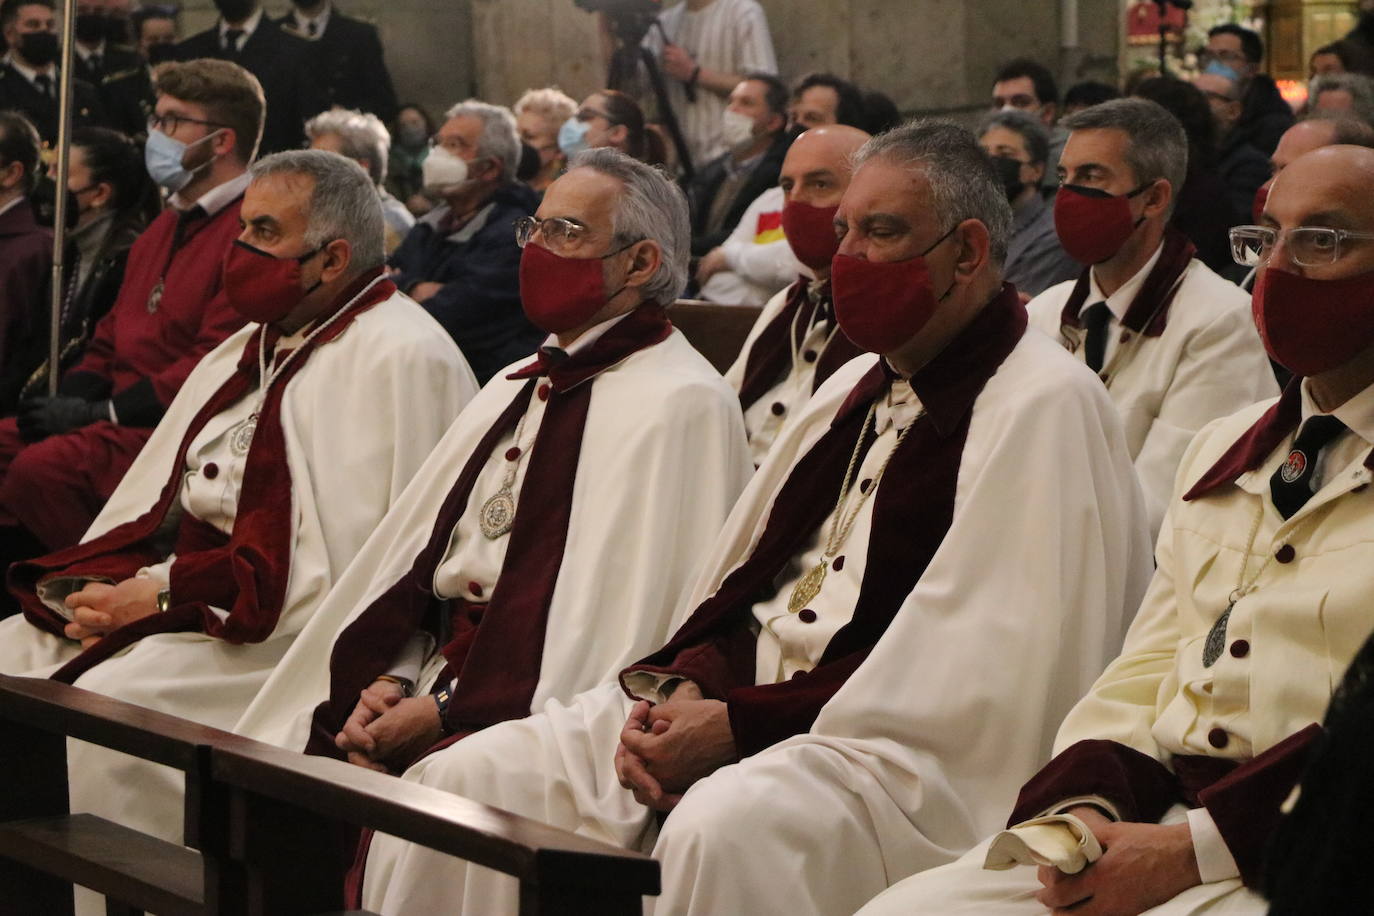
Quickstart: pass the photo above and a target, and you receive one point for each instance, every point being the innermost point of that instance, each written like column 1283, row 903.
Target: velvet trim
column 1148, row 313
column 1140, row 787
column 912, row 512
column 368, row 645
column 257, row 556
column 770, row 358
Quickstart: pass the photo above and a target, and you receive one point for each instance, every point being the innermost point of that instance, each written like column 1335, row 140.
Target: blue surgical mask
column 162, row 156
column 1217, row 68
column 572, row 136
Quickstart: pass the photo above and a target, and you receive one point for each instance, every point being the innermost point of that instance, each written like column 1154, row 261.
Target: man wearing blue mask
column 1235, row 52
column 63, row 456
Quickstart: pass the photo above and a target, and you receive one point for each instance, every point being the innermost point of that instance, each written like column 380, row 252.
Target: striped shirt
column 728, row 36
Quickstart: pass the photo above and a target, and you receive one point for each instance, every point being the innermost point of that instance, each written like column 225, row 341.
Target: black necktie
column 44, row 84
column 1095, row 319
column 311, row 29
column 231, row 41
column 95, row 63
column 1291, row 485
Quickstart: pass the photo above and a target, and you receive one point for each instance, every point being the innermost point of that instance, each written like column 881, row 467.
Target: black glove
column 39, row 418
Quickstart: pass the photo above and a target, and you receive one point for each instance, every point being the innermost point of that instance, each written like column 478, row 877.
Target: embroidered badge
column 1292, row 468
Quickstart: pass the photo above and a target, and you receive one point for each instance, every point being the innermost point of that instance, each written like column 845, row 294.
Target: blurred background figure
column 1028, row 86
column 1087, row 94
column 819, row 99
column 363, row 138
column 348, row 52
column 539, row 115
column 1242, row 167
column 115, row 69
column 25, row 250
column 1236, row 53
column 156, row 33
column 612, row 119
column 410, row 136
column 1343, row 93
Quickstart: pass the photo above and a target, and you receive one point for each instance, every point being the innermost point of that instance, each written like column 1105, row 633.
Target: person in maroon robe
column 25, row 246
column 62, row 456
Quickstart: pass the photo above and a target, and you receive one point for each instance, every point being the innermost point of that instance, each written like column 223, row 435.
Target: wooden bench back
column 717, row 331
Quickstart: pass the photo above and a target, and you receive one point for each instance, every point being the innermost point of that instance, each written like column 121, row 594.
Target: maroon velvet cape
column 497, row 649
column 246, row 572
column 770, row 358
column 912, row 512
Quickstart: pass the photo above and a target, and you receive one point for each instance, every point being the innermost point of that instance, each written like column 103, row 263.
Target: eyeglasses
column 170, row 123
column 1231, row 57
column 1308, row 246
column 558, row 232
column 587, row 114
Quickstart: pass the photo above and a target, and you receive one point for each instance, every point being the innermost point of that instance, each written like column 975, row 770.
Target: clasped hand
column 664, row 749
column 1142, row 866
column 100, row 608
column 388, row 731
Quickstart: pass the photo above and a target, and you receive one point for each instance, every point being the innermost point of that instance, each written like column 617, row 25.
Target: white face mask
column 443, row 171
column 736, row 129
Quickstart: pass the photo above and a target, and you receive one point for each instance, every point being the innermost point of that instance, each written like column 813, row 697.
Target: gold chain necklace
column 809, row 586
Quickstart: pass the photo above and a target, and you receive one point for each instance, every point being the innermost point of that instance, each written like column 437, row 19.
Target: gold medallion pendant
column 498, row 514
column 807, row 588
column 241, row 438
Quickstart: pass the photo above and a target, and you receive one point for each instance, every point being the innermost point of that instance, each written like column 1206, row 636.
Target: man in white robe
column 817, row 707
column 795, row 344
column 276, row 460
column 1181, row 757
column 621, row 451
column 1172, row 340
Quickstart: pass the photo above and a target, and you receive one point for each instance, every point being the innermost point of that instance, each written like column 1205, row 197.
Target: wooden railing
column 717, row 331
column 268, row 830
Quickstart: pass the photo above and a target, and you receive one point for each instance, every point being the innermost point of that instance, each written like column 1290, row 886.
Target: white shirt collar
column 5, row 208
column 1357, row 413
column 1120, row 301
column 85, row 53
column 586, row 338
column 215, row 199
column 321, row 20
column 28, row 72
column 249, row 27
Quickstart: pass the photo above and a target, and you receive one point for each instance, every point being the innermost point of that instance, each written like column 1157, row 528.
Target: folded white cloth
column 1061, row 840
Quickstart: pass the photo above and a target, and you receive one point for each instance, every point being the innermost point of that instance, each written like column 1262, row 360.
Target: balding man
column 795, row 344
column 281, row 453
column 1307, row 135
column 1180, row 757
column 817, row 702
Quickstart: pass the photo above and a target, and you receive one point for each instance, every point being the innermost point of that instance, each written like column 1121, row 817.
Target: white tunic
column 359, row 419
column 663, row 459
column 758, row 259
column 913, row 758
column 1208, row 363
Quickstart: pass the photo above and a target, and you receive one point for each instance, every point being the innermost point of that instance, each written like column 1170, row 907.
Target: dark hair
column 1347, row 129
column 19, row 143
column 880, row 113
column 1185, row 102
column 430, row 126
column 1251, row 45
column 1089, row 93
column 116, row 160
column 230, row 94
column 9, row 9
column 1046, row 89
column 1342, row 52
column 641, row 143
column 775, row 91
column 145, row 13
column 849, row 109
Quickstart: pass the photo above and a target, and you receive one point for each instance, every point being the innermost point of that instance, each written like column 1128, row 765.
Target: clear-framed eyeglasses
column 558, row 233
column 1308, row 246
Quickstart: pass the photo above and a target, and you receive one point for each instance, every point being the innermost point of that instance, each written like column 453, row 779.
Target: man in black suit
column 115, row 70
column 28, row 77
column 755, row 131
column 349, row 54
column 285, row 65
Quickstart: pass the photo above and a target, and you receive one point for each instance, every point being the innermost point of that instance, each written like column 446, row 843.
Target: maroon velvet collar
column 252, row 566
column 949, row 384
column 645, row 326
column 770, row 356
column 1149, row 311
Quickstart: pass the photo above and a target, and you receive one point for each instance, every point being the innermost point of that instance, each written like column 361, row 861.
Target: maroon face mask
column 882, row 305
column 1093, row 225
column 263, row 287
column 810, row 232
column 1311, row 326
column 1261, row 197
column 561, row 294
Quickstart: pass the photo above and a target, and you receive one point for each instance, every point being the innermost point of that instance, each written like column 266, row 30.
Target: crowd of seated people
column 1010, row 566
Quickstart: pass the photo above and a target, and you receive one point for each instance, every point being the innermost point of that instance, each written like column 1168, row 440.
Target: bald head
column 816, row 172
column 1331, row 187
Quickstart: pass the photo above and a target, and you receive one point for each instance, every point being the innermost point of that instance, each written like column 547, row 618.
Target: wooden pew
column 717, row 331
column 265, row 824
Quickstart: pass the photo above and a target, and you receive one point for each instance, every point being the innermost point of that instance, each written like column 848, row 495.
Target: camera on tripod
column 630, row 19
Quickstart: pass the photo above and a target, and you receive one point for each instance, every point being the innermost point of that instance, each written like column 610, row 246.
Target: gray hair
column 1028, row 128
column 499, row 139
column 343, row 203
column 962, row 182
column 362, row 136
column 1347, row 130
column 1156, row 145
column 1360, row 87
column 650, row 206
